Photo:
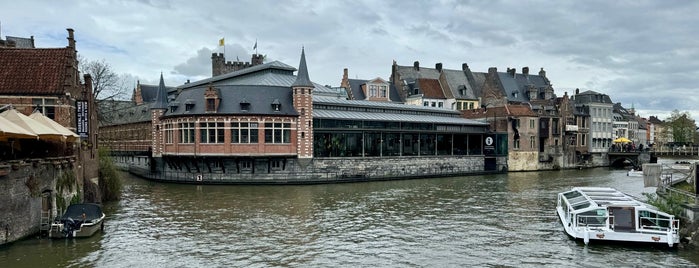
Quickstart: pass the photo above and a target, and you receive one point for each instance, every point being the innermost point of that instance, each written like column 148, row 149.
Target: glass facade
column 351, row 138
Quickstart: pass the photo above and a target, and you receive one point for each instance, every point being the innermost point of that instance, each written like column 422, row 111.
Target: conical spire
column 161, row 97
column 302, row 79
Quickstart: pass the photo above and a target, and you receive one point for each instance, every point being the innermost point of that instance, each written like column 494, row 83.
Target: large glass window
column 427, row 144
column 460, row 144
column 277, row 132
column 444, row 144
column 186, row 132
column 391, row 144
column 244, row 132
column 372, row 144
column 211, row 132
column 411, row 144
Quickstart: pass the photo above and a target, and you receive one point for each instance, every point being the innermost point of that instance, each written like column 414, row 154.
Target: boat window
column 572, row 194
column 596, row 217
column 652, row 219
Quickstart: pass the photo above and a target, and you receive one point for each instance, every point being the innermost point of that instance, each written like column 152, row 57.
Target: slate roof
column 302, row 79
column 358, row 94
column 21, row 42
column 516, row 87
column 149, row 92
column 590, row 96
column 251, row 75
column 392, row 112
column 260, row 99
column 32, row 71
column 457, row 80
column 409, row 72
column 124, row 112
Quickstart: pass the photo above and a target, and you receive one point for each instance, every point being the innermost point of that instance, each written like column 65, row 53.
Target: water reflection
column 494, row 220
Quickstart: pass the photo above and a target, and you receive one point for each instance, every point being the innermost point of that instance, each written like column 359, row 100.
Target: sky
column 643, row 54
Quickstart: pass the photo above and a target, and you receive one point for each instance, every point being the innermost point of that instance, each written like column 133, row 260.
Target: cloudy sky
column 643, row 54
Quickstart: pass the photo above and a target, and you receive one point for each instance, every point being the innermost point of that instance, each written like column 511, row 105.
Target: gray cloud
column 641, row 53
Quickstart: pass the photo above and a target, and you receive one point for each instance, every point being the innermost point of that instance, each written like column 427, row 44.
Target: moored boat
column 79, row 220
column 606, row 214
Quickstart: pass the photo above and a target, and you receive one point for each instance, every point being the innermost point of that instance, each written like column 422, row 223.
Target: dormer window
column 173, row 106
column 212, row 99
column 244, row 105
column 276, row 105
column 210, row 105
column 189, row 105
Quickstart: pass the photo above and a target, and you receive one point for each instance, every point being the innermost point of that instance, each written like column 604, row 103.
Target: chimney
column 542, row 73
column 511, row 71
column 71, row 39
column 416, row 66
column 345, row 79
column 525, row 71
column 464, row 67
column 493, row 70
column 32, row 38
column 438, row 66
column 577, row 91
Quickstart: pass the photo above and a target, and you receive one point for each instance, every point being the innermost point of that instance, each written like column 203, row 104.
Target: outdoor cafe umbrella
column 622, row 140
column 11, row 130
column 39, row 117
column 31, row 125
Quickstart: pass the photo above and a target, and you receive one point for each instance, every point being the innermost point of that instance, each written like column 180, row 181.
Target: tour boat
column 606, row 214
column 79, row 220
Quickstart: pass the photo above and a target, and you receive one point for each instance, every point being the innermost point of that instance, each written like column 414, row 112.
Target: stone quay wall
column 29, row 186
column 325, row 170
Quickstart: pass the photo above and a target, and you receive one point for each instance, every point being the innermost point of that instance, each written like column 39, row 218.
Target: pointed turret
column 302, row 79
column 161, row 97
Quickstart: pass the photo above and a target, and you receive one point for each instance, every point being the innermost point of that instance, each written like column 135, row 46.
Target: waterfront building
column 263, row 124
column 599, row 106
column 40, row 176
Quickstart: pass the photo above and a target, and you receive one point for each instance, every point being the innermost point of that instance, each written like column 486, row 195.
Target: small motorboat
column 79, row 220
column 606, row 214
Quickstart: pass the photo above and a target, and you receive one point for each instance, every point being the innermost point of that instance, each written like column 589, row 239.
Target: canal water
column 504, row 220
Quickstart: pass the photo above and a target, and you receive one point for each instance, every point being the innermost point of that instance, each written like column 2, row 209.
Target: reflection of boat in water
column 605, row 214
column 634, row 172
column 79, row 220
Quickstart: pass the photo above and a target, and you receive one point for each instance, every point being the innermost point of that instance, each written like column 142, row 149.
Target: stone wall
column 25, row 185
column 523, row 161
column 319, row 170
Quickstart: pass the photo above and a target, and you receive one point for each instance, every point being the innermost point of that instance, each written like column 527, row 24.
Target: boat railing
column 658, row 224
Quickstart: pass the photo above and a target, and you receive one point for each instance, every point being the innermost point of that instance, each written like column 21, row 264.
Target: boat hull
column 61, row 230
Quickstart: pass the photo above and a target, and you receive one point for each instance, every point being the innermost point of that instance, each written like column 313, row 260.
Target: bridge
column 638, row 158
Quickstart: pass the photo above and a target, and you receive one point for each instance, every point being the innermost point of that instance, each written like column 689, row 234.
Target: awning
column 11, row 130
column 41, row 118
column 31, row 125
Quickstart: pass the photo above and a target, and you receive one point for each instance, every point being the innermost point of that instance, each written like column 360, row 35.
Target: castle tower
column 303, row 103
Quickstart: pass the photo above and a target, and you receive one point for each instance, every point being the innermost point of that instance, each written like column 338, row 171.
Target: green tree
column 683, row 127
